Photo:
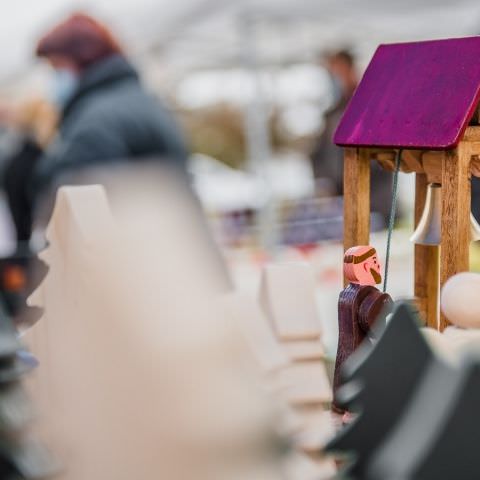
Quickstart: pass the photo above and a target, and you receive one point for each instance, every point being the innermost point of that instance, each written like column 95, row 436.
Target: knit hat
column 80, row 38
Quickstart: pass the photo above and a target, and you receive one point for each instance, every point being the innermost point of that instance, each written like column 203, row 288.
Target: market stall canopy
column 418, row 95
column 173, row 39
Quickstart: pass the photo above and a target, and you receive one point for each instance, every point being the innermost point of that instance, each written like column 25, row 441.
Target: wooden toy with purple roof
column 416, row 110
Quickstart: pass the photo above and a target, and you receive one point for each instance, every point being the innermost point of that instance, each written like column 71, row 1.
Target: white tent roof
column 176, row 37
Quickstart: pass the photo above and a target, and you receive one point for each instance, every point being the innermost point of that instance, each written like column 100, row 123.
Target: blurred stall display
column 309, row 221
column 233, row 201
column 301, row 223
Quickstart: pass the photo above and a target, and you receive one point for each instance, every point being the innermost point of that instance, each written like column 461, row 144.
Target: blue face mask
column 63, row 87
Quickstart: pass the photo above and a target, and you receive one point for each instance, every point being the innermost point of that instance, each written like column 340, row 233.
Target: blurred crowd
column 97, row 112
column 326, row 157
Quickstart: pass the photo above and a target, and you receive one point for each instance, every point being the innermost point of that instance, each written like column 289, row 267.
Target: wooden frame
column 356, row 201
column 453, row 169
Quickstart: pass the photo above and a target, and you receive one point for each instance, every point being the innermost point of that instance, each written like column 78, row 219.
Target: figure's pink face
column 368, row 271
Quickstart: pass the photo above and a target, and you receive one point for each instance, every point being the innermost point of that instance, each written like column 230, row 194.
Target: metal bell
column 429, row 229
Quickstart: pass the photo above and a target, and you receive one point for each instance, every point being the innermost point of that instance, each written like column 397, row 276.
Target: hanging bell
column 429, row 229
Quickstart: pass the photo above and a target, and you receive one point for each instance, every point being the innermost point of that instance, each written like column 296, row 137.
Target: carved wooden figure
column 418, row 101
column 359, row 305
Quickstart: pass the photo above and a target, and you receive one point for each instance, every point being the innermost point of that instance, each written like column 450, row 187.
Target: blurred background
column 256, row 88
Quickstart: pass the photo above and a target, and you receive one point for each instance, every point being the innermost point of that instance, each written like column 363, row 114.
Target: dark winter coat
column 110, row 118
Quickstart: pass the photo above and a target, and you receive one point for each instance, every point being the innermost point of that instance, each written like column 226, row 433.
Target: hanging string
column 391, row 221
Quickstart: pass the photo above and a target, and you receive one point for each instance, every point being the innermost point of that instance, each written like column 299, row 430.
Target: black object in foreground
column 439, row 434
column 381, row 381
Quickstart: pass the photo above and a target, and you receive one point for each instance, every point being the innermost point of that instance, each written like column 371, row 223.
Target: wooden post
column 426, row 263
column 356, row 198
column 456, row 189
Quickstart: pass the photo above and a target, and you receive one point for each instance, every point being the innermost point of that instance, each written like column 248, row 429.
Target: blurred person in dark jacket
column 106, row 114
column 35, row 122
column 326, row 157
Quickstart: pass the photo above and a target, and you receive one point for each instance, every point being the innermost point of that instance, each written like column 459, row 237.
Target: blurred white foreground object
column 140, row 375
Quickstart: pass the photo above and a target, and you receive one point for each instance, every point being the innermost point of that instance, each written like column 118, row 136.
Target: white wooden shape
column 139, row 371
column 306, row 383
column 287, row 294
column 304, row 350
column 246, row 313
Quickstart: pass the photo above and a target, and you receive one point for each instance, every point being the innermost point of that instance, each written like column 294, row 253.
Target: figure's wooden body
column 358, row 308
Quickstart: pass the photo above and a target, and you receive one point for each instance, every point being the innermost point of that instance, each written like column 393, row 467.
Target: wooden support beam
column 356, row 183
column 456, row 189
column 426, row 287
column 428, row 161
column 472, row 134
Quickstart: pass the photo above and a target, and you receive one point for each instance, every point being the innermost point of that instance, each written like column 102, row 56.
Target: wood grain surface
column 356, row 202
column 454, row 255
column 426, row 286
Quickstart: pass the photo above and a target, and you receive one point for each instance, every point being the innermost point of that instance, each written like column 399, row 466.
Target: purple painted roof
column 414, row 95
